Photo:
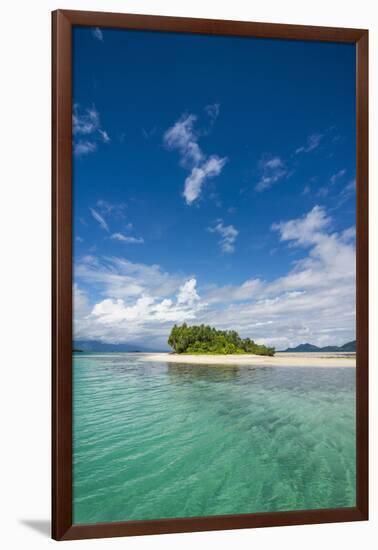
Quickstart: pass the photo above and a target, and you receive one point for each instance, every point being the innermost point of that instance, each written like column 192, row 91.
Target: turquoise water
column 158, row 440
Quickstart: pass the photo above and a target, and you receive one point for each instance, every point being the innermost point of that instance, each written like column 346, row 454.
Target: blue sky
column 214, row 181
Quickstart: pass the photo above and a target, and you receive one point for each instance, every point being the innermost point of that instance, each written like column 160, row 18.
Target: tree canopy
column 203, row 339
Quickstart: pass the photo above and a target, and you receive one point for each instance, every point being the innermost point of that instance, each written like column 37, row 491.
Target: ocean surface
column 158, row 440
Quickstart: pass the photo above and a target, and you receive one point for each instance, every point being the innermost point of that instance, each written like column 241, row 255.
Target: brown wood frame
column 62, row 22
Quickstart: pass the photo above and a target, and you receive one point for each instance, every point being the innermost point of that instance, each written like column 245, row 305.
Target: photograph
column 214, row 275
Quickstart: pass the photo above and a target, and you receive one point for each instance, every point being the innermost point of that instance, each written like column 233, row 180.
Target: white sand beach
column 321, row 359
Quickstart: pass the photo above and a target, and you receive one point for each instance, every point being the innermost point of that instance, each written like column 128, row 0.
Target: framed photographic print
column 210, row 274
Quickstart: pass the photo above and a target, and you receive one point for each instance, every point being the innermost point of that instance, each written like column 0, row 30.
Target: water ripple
column 164, row 440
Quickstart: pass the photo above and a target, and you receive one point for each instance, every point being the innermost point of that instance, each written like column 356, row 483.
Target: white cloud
column 228, row 234
column 247, row 291
column 348, row 192
column 127, row 239
column 335, row 177
column 348, row 234
column 313, row 301
column 119, row 278
column 104, row 135
column 116, row 320
column 323, row 192
column 304, row 230
column 99, row 219
column 187, row 293
column 84, row 147
column 97, row 33
column 193, row 183
column 86, row 122
column 116, row 210
column 181, row 136
column 80, row 302
column 313, row 142
column 272, row 170
column 213, row 111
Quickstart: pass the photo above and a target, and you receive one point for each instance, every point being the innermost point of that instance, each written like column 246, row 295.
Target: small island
column 205, row 345
column 206, row 340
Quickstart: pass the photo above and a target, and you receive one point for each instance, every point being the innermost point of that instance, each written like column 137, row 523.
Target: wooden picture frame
column 62, row 23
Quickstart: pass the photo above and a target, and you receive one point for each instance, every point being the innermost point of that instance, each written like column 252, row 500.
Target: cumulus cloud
column 187, row 293
column 228, row 234
column 182, row 137
column 119, row 320
column 314, row 301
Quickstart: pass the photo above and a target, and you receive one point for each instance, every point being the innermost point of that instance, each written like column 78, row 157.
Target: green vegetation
column 204, row 339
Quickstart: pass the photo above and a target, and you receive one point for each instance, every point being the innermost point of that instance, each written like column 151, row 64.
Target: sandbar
column 280, row 359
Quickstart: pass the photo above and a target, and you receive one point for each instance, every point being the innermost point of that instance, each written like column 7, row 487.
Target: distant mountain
column 94, row 345
column 349, row 346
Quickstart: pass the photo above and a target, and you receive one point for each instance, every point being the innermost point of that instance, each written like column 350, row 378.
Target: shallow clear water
column 157, row 440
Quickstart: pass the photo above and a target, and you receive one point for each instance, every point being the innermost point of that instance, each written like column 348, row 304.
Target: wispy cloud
column 228, row 234
column 336, row 177
column 272, row 170
column 97, row 33
column 323, row 191
column 182, row 137
column 104, row 135
column 116, row 210
column 84, row 147
column 99, row 219
column 313, row 142
column 85, row 121
column 213, row 111
column 127, row 239
column 149, row 132
column 348, row 192
column 87, row 130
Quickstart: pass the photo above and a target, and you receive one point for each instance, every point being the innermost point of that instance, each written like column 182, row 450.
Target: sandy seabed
column 321, row 359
